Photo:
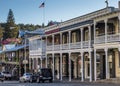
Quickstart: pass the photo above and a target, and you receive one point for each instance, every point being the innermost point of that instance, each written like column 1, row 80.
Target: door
column 87, row 69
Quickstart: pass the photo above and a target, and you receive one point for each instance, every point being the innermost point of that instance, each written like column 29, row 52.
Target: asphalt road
column 16, row 83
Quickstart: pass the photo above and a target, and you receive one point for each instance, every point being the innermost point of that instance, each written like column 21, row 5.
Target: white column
column 60, row 41
column 81, row 29
column 46, row 53
column 53, row 42
column 90, row 66
column 105, row 30
column 33, row 63
column 89, row 27
column 36, row 63
column 69, row 66
column 107, row 64
column 41, row 51
column 41, row 61
column 118, row 24
column 53, row 66
column 29, row 63
column 95, row 71
column 69, row 38
column 94, row 32
column 82, row 68
column 61, row 66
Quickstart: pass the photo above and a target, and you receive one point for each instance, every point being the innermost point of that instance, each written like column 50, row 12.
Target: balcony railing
column 85, row 44
column 109, row 38
column 113, row 38
column 65, row 46
column 100, row 39
column 49, row 48
column 56, row 47
column 76, row 45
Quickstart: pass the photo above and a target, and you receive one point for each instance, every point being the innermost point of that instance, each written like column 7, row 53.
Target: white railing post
column 53, row 42
column 105, row 30
column 81, row 29
column 46, row 53
column 95, row 71
column 60, row 41
column 89, row 27
column 69, row 39
column 94, row 32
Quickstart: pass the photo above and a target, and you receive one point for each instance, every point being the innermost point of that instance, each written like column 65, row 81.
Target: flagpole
column 44, row 15
column 43, row 11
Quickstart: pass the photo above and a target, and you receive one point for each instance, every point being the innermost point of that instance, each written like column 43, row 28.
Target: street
column 16, row 83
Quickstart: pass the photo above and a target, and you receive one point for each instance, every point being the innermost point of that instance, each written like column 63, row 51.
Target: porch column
column 53, row 42
column 61, row 66
column 69, row 38
column 90, row 66
column 82, row 69
column 81, row 29
column 33, row 63
column 89, row 27
column 95, row 73
column 94, row 32
column 46, row 53
column 53, row 66
column 69, row 66
column 107, row 64
column 118, row 24
column 60, row 41
column 29, row 63
column 41, row 61
column 105, row 30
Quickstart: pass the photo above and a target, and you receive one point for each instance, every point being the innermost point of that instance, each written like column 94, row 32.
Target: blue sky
column 28, row 11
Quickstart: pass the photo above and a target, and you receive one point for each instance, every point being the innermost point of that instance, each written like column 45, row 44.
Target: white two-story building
column 86, row 47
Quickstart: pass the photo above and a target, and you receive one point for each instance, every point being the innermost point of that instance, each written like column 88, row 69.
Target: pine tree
column 1, row 32
column 11, row 29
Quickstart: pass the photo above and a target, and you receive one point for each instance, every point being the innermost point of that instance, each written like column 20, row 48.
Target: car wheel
column 42, row 81
column 19, row 81
column 50, row 80
column 38, row 81
column 31, row 81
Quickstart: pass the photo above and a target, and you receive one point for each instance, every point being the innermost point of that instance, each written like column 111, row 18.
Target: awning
column 1, row 52
column 16, row 48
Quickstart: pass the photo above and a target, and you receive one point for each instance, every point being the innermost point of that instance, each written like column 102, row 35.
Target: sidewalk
column 112, row 80
column 10, row 82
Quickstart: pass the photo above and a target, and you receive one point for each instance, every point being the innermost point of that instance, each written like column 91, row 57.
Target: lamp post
column 25, row 53
column 25, row 60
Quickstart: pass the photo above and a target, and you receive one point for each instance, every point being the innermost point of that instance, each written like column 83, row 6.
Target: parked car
column 45, row 74
column 33, row 78
column 2, row 78
column 7, row 75
column 25, row 77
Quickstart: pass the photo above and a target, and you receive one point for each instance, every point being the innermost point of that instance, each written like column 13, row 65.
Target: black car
column 45, row 74
column 34, row 77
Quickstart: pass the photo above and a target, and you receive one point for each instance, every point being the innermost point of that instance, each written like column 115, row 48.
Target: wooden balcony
column 109, row 38
column 67, row 46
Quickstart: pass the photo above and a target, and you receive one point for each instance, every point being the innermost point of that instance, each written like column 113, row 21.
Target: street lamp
column 25, row 60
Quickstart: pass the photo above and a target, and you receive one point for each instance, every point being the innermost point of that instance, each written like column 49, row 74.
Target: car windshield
column 6, row 72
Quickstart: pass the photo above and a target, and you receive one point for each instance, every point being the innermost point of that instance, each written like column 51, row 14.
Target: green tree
column 1, row 32
column 11, row 29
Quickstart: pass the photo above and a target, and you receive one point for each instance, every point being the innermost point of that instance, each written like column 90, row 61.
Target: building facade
column 86, row 47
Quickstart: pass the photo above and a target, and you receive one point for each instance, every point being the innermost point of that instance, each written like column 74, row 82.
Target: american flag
column 42, row 5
